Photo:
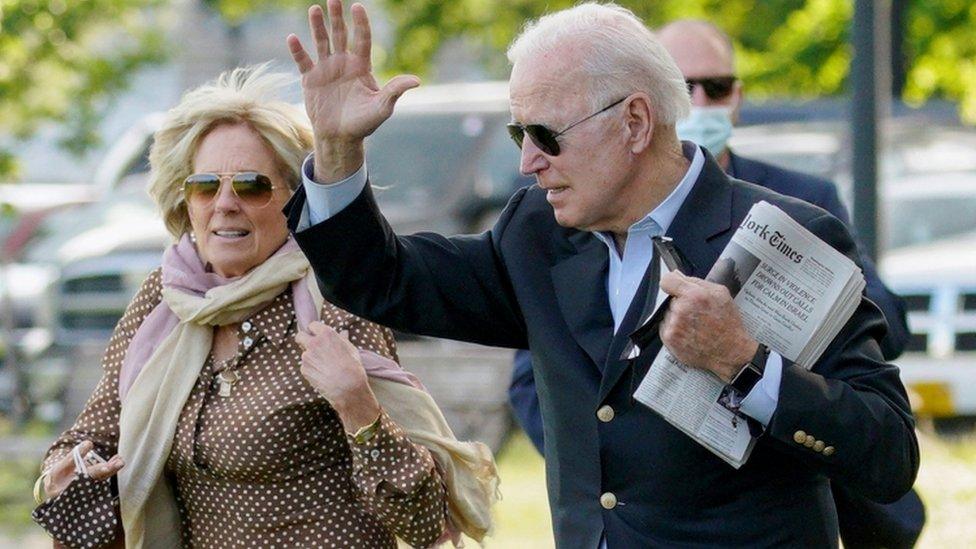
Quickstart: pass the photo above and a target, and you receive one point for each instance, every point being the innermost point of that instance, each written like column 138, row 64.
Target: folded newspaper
column 794, row 293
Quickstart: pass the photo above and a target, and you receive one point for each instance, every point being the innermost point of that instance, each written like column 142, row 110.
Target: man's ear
column 639, row 120
column 735, row 101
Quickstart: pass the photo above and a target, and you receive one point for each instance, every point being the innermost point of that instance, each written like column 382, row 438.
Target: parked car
column 927, row 199
column 443, row 163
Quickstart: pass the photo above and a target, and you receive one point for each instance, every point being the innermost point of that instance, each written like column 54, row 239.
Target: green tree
column 61, row 60
column 794, row 48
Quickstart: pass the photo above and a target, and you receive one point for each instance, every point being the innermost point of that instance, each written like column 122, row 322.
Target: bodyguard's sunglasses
column 543, row 137
column 251, row 188
column 715, row 87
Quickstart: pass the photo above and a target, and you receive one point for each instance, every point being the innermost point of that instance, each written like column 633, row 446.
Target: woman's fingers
column 105, row 470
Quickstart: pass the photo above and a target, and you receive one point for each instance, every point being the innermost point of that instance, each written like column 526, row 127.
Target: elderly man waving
column 564, row 272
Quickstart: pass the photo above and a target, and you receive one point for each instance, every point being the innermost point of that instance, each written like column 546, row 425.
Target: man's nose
column 698, row 96
column 532, row 159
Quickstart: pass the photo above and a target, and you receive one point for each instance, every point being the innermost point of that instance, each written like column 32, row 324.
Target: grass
column 522, row 516
column 946, row 482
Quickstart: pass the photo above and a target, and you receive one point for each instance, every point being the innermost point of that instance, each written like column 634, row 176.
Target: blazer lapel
column 615, row 366
column 580, row 280
column 705, row 214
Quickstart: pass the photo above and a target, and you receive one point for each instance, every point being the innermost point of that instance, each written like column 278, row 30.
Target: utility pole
column 870, row 102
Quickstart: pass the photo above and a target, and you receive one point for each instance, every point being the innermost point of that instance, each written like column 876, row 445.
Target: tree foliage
column 943, row 40
column 60, row 60
column 785, row 47
column 234, row 12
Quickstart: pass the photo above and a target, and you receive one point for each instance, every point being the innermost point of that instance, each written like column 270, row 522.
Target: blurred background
column 83, row 83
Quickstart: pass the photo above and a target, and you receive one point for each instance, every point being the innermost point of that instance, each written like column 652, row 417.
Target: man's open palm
column 344, row 102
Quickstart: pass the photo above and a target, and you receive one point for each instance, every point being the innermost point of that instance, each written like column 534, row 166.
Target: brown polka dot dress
column 270, row 465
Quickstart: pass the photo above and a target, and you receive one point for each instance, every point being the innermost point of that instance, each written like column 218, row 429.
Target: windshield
column 419, row 156
column 923, row 219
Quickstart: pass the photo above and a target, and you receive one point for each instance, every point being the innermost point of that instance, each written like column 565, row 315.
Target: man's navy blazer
column 531, row 283
column 816, row 191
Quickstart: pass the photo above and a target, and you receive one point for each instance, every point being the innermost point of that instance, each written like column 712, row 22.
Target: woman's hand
column 331, row 364
column 61, row 475
column 344, row 102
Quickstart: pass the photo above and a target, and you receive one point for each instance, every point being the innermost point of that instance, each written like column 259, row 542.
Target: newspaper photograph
column 794, row 293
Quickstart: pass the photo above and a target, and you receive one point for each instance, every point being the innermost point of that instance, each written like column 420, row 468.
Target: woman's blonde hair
column 242, row 96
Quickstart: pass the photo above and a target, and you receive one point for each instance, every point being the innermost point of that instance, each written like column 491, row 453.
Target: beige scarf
column 152, row 406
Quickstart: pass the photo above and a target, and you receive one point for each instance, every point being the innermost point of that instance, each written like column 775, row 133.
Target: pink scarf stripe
column 183, row 270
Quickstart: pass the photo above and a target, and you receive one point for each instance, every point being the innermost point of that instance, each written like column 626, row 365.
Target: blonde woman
column 231, row 414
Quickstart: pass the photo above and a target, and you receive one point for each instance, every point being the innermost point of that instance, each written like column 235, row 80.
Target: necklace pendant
column 227, row 380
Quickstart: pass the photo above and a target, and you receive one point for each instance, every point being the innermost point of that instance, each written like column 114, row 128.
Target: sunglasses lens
column 200, row 189
column 544, row 138
column 253, row 188
column 517, row 133
column 541, row 136
column 718, row 87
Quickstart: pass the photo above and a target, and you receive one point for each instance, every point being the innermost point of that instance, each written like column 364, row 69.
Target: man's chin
column 564, row 219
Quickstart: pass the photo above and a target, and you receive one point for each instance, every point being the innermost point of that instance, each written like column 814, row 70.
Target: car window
column 416, row 157
column 921, row 219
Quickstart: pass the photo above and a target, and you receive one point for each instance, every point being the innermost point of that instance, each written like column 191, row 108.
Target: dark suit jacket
column 816, row 191
column 531, row 283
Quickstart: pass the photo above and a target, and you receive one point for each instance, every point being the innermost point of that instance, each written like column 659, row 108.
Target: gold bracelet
column 366, row 433
column 39, row 488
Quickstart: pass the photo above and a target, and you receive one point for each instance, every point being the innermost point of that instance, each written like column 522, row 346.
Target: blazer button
column 605, row 414
column 608, row 500
column 818, row 446
column 829, row 451
column 809, row 441
column 800, row 437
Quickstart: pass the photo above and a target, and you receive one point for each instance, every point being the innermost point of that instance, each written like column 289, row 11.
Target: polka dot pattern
column 270, row 465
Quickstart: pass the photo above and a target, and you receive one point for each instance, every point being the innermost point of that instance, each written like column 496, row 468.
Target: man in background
column 705, row 56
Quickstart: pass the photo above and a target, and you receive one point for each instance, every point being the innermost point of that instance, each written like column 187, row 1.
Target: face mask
column 709, row 127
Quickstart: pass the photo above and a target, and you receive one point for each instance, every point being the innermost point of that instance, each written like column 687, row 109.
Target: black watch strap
column 752, row 372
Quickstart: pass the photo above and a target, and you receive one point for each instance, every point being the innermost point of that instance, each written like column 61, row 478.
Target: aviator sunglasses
column 251, row 188
column 543, row 137
column 715, row 87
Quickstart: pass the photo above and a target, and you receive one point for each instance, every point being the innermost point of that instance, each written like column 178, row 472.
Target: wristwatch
column 752, row 372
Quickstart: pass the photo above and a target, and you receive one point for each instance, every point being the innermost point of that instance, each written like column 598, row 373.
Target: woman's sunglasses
column 543, row 137
column 715, row 87
column 251, row 188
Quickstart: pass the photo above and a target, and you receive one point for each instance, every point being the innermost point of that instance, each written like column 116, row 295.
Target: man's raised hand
column 344, row 102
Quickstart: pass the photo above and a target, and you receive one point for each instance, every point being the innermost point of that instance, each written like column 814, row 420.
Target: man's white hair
column 621, row 56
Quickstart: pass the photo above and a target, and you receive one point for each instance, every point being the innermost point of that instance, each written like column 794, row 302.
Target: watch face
column 746, row 379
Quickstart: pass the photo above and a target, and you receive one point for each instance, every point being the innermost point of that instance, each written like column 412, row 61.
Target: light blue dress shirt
column 626, row 272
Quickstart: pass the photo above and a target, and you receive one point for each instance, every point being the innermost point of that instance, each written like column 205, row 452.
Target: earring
column 193, row 237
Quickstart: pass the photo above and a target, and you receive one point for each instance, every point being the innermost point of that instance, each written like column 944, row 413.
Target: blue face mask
column 709, row 127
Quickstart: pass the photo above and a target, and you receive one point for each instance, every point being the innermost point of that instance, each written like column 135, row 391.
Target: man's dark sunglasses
column 716, row 87
column 543, row 137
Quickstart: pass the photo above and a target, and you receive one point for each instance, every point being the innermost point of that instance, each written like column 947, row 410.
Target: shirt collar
column 666, row 211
